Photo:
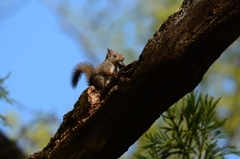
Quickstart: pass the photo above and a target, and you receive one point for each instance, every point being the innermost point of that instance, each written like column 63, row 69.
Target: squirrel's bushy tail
column 86, row 68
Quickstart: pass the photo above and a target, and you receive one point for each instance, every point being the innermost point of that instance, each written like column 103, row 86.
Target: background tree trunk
column 9, row 149
column 172, row 64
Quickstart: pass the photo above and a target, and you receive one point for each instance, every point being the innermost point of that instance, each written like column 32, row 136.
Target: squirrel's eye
column 115, row 55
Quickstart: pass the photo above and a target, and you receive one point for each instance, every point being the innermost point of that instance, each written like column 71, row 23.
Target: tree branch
column 172, row 64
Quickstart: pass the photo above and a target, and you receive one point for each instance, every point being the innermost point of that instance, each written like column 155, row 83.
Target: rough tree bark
column 172, row 64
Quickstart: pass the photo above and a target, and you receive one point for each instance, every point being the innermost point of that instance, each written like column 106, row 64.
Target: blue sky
column 40, row 57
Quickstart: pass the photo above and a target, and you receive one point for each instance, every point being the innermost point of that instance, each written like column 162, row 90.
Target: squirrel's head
column 115, row 57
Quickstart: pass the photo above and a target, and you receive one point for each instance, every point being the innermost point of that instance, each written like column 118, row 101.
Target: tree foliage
column 4, row 95
column 191, row 133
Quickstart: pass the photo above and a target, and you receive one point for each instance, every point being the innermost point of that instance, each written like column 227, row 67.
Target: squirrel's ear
column 109, row 50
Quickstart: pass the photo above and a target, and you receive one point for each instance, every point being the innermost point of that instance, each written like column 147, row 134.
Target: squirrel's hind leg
column 98, row 82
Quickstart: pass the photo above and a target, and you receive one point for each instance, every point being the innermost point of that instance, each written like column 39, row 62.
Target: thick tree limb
column 172, row 64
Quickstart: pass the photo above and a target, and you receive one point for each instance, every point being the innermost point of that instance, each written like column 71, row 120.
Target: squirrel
column 101, row 76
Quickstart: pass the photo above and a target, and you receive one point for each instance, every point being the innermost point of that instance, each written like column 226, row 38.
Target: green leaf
column 193, row 135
